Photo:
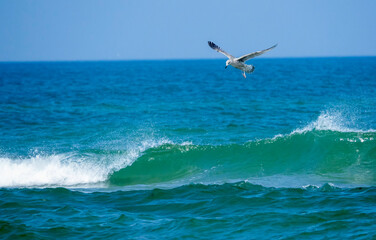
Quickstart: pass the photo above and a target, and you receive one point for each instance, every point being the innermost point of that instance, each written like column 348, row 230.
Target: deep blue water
column 187, row 149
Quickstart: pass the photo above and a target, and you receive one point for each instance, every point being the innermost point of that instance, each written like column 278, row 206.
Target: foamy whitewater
column 106, row 150
column 69, row 169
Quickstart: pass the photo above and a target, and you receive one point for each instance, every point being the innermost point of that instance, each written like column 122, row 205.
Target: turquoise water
column 187, row 149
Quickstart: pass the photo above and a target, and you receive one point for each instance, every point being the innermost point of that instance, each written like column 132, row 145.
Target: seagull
column 239, row 62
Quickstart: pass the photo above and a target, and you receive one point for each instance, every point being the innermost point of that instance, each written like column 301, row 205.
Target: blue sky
column 47, row 30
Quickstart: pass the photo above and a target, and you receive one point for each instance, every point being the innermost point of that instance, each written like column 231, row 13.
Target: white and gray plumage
column 239, row 62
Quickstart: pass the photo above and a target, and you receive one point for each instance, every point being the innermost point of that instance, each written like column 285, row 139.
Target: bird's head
column 227, row 63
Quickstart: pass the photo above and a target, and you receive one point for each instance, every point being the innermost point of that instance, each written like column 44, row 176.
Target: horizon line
column 170, row 59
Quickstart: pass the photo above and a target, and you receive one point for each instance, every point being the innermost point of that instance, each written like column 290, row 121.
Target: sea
column 185, row 149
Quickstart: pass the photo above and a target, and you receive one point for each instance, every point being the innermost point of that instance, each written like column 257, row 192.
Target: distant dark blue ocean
column 188, row 150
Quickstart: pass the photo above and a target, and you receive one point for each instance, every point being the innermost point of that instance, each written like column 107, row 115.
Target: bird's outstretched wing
column 218, row 49
column 254, row 54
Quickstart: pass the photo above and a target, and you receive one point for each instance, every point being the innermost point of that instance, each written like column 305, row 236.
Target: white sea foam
column 48, row 170
column 328, row 120
column 333, row 121
column 67, row 169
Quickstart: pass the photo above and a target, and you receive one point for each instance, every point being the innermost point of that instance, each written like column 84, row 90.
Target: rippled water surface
column 186, row 149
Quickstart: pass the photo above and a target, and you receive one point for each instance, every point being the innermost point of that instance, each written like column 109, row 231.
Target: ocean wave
column 345, row 157
column 327, row 149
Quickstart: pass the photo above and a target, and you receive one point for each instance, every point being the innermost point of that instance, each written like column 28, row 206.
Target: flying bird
column 239, row 62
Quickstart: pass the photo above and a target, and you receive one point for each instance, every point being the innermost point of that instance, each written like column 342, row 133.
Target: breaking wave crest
column 69, row 169
column 332, row 121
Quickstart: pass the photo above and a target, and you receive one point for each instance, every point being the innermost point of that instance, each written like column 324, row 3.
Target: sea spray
column 333, row 120
column 53, row 170
column 70, row 169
